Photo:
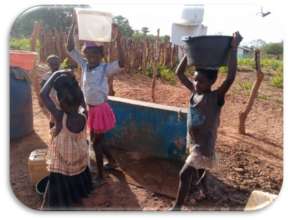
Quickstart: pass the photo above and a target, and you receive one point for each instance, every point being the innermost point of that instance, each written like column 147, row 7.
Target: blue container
column 21, row 114
column 149, row 129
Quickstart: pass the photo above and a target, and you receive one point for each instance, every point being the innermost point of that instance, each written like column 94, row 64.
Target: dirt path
column 249, row 162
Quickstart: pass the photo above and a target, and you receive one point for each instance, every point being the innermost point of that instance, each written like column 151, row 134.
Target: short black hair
column 210, row 74
column 95, row 49
column 68, row 90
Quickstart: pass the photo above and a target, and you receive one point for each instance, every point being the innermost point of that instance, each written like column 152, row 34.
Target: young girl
column 202, row 121
column 67, row 159
column 94, row 84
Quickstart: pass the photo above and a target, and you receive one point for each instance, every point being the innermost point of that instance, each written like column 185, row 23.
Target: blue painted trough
column 147, row 128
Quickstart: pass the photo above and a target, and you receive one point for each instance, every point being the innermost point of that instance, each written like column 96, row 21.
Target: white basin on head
column 94, row 25
column 191, row 15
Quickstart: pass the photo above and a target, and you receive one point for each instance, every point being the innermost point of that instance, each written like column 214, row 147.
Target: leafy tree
column 123, row 25
column 55, row 16
column 275, row 49
column 145, row 30
column 257, row 43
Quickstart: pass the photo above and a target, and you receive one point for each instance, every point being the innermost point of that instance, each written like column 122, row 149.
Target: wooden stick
column 35, row 35
column 156, row 59
column 254, row 92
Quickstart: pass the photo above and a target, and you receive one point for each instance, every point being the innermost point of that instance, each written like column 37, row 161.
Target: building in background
column 244, row 52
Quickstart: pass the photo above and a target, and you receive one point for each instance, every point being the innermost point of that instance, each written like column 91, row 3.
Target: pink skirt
column 101, row 118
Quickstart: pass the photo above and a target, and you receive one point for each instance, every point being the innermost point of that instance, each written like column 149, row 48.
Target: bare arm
column 180, row 74
column 70, row 40
column 232, row 67
column 44, row 94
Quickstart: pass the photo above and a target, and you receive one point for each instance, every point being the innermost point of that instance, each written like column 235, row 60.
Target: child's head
column 94, row 53
column 69, row 93
column 53, row 62
column 204, row 79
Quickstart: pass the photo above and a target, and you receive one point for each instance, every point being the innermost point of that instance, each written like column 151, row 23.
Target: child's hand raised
column 237, row 38
column 74, row 18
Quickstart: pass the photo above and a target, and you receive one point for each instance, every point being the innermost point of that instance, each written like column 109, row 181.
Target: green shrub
column 149, row 71
column 22, row 44
column 246, row 62
column 167, row 74
column 163, row 72
column 277, row 80
column 269, row 65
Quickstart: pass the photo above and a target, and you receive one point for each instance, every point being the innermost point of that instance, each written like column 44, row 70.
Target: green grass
column 246, row 62
column 267, row 64
column 263, row 97
column 245, row 85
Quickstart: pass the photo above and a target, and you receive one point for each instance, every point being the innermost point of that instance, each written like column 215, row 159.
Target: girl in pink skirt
column 94, row 83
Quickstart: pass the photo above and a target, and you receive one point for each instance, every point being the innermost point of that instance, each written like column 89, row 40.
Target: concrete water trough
column 149, row 143
column 150, row 129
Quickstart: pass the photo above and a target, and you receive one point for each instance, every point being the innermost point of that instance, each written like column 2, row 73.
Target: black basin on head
column 207, row 51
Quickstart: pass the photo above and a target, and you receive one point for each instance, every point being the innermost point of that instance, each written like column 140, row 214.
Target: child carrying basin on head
column 94, row 83
column 202, row 122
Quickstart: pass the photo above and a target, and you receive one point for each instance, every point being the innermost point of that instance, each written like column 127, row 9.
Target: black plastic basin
column 209, row 51
column 41, row 185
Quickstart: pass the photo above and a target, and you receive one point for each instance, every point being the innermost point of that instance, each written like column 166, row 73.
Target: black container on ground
column 41, row 185
column 207, row 51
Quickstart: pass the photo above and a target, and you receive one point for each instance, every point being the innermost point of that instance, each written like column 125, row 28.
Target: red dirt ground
column 246, row 162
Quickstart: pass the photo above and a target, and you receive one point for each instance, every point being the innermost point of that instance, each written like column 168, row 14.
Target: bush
column 149, row 71
column 163, row 72
column 246, row 62
column 22, row 44
column 277, row 80
column 19, row 44
column 167, row 74
column 275, row 49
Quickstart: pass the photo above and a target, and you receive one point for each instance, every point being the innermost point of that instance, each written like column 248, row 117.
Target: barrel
column 21, row 114
column 209, row 51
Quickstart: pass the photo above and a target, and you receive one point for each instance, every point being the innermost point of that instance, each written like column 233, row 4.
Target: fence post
column 254, row 92
column 155, row 62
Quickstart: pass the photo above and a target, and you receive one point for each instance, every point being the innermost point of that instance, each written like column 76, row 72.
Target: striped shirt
column 68, row 152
